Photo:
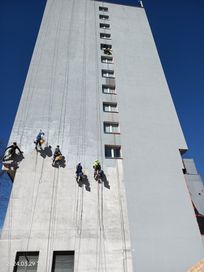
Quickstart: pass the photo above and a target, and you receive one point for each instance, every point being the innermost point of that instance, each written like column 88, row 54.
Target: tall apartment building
column 96, row 87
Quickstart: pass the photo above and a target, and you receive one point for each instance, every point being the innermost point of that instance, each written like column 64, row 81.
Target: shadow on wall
column 105, row 181
column 10, row 164
column 84, row 181
column 46, row 152
column 15, row 158
column 101, row 178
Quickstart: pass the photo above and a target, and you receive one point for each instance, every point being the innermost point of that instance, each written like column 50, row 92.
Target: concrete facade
column 196, row 191
column 141, row 218
column 195, row 185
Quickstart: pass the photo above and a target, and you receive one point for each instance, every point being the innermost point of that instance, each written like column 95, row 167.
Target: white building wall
column 162, row 220
column 63, row 96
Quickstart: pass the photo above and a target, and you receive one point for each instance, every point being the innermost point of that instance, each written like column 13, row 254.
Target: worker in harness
column 98, row 173
column 107, row 51
column 79, row 172
column 57, row 157
column 39, row 139
column 12, row 151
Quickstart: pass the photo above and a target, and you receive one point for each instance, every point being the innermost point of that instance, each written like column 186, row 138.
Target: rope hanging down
column 81, row 157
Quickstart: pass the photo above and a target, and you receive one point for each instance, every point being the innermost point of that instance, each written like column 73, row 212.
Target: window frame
column 104, row 26
column 113, row 148
column 104, row 9
column 108, row 73
column 25, row 253
column 111, row 125
column 105, row 36
column 106, row 46
column 60, row 253
column 107, row 87
column 110, row 107
column 107, row 59
column 103, row 17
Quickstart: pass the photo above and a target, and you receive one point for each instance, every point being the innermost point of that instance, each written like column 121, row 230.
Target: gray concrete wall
column 63, row 96
column 162, row 220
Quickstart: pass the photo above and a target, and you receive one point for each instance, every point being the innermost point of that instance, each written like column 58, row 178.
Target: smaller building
column 196, row 189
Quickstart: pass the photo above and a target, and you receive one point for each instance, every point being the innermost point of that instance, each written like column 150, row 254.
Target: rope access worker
column 107, row 51
column 79, row 172
column 12, row 150
column 57, row 157
column 97, row 168
column 39, row 139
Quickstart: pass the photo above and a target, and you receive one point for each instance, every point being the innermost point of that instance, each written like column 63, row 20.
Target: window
column 106, row 59
column 107, row 73
column 105, row 46
column 105, row 26
column 112, row 151
column 26, row 261
column 111, row 127
column 103, row 9
column 103, row 17
column 106, row 36
column 108, row 89
column 110, row 107
column 63, row 261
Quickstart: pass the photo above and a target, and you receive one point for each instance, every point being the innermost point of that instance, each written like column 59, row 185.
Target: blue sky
column 179, row 35
column 177, row 27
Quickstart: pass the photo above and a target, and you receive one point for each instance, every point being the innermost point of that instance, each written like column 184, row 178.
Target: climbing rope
column 100, row 209
column 122, row 222
column 61, row 133
column 30, row 91
column 51, row 229
column 10, row 213
column 82, row 128
column 25, row 108
column 100, row 244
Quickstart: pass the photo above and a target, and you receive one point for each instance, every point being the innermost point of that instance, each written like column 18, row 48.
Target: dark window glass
column 105, row 26
column 106, row 36
column 26, row 261
column 103, row 9
column 63, row 261
column 110, row 107
column 116, row 152
column 107, row 152
column 108, row 89
column 112, row 151
column 103, row 17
